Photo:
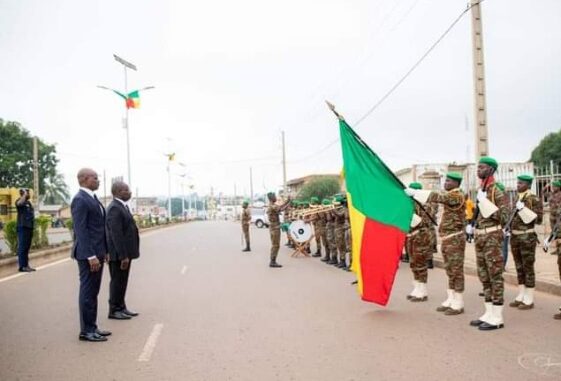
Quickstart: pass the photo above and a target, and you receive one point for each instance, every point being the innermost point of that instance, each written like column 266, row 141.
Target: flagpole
column 359, row 139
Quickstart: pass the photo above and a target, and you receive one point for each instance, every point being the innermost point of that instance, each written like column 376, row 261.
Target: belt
column 451, row 235
column 487, row 230
column 520, row 232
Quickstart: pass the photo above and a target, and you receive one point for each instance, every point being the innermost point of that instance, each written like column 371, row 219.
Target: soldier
column 349, row 236
column 340, row 229
column 330, row 227
column 491, row 213
column 432, row 208
column 246, row 220
column 523, row 241
column 273, row 212
column 419, row 247
column 453, row 243
column 322, row 217
column 314, row 203
column 554, row 218
column 289, row 214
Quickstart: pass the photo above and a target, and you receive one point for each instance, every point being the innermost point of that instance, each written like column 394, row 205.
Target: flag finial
column 332, row 108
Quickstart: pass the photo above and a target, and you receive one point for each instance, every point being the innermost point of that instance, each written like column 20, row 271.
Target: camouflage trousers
column 523, row 248
column 453, row 252
column 324, row 240
column 318, row 234
column 350, row 245
column 331, row 240
column 490, row 265
column 275, row 242
column 341, row 242
column 245, row 229
column 433, row 242
column 419, row 248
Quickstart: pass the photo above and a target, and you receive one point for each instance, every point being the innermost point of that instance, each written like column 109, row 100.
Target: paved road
column 211, row 312
column 58, row 235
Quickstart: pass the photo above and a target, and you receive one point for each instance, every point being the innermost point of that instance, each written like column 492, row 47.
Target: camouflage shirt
column 340, row 216
column 500, row 217
column 454, row 215
column 426, row 222
column 533, row 203
column 273, row 212
column 246, row 217
column 554, row 207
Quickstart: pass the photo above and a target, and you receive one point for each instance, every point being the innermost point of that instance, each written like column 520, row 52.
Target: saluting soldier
column 491, row 214
column 340, row 230
column 453, row 243
column 273, row 213
column 523, row 241
column 330, row 227
column 246, row 220
column 419, row 247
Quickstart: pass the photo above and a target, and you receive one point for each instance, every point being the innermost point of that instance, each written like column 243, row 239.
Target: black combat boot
column 342, row 264
column 333, row 261
column 326, row 259
column 274, row 264
column 430, row 264
column 247, row 248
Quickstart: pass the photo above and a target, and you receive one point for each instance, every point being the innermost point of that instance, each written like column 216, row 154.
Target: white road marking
column 183, row 270
column 151, row 343
column 38, row 269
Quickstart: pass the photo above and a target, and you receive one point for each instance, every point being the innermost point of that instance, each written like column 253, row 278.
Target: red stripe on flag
column 379, row 259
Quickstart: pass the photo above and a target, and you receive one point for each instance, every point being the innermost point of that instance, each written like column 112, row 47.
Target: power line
column 399, row 82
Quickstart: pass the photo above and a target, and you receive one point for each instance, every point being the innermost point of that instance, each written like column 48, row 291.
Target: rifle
column 469, row 237
column 553, row 234
column 507, row 230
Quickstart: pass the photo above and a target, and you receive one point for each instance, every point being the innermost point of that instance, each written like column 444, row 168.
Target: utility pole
column 36, row 172
column 251, row 183
column 283, row 166
column 481, row 132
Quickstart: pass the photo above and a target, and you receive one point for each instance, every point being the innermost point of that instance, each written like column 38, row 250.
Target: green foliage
column 55, row 191
column 321, row 187
column 69, row 225
column 16, row 157
column 43, row 221
column 548, row 149
column 36, row 239
column 11, row 236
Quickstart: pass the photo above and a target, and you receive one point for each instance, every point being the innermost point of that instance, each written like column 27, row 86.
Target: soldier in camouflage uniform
column 419, row 246
column 492, row 213
column 273, row 212
column 340, row 230
column 349, row 237
column 523, row 242
column 314, row 203
column 453, row 243
column 246, row 220
column 330, row 227
column 432, row 208
column 322, row 218
column 554, row 216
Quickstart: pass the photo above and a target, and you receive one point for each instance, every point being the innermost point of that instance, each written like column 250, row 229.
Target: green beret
column 489, row 161
column 556, row 183
column 526, row 178
column 501, row 186
column 245, row 202
column 326, row 201
column 305, row 203
column 295, row 203
column 415, row 186
column 314, row 200
column 339, row 198
column 271, row 194
column 455, row 176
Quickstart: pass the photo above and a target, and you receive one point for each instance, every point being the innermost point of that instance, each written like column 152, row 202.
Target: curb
column 541, row 285
column 9, row 266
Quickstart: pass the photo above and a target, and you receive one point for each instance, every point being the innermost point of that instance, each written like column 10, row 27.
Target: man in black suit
column 90, row 251
column 123, row 242
column 25, row 225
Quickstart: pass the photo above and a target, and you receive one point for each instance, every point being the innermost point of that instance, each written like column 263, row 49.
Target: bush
column 70, row 226
column 11, row 236
column 43, row 222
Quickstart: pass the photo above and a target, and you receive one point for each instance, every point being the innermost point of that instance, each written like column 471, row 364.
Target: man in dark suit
column 90, row 251
column 25, row 225
column 123, row 242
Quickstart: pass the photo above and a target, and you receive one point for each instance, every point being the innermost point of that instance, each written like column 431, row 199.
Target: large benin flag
column 380, row 214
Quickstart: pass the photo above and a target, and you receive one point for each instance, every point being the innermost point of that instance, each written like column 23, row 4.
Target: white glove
column 545, row 244
column 481, row 195
column 410, row 192
column 506, row 233
column 520, row 205
column 469, row 229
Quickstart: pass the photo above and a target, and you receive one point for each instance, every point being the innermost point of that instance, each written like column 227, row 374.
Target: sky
column 230, row 76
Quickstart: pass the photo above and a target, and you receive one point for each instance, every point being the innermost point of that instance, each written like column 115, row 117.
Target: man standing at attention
column 246, row 220
column 123, row 242
column 90, row 251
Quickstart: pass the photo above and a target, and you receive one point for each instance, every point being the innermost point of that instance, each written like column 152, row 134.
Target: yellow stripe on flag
column 357, row 228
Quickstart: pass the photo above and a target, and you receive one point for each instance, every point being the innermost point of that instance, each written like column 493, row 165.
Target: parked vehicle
column 259, row 217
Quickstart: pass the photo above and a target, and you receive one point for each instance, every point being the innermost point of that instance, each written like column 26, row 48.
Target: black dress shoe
column 490, row 327
column 130, row 313
column 476, row 323
column 101, row 332
column 118, row 315
column 92, row 336
column 26, row 269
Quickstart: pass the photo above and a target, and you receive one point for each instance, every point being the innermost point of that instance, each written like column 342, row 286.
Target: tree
column 548, row 149
column 320, row 187
column 55, row 191
column 16, row 157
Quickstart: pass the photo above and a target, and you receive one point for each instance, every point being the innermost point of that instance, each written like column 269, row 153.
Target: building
column 139, row 205
column 294, row 186
column 8, row 197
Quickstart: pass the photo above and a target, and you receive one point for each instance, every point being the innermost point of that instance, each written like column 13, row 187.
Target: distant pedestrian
column 25, row 225
column 246, row 221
